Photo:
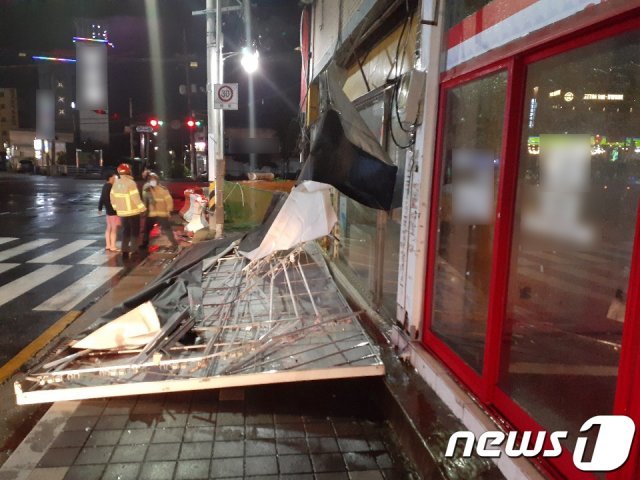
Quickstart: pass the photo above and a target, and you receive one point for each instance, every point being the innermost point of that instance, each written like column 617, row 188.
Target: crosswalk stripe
column 31, row 280
column 97, row 258
column 79, row 290
column 25, row 247
column 7, row 266
column 4, row 240
column 61, row 252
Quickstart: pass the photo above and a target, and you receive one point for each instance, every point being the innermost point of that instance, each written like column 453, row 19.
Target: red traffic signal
column 191, row 123
column 153, row 122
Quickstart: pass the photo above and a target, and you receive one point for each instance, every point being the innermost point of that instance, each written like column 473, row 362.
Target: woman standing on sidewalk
column 113, row 221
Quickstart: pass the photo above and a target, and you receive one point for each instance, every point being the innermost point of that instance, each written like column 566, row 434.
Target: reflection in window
column 468, row 189
column 578, row 189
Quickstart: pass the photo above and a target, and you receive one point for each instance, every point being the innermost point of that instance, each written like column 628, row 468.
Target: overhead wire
column 394, row 100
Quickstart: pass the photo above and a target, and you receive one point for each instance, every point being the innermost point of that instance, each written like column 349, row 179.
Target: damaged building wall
column 391, row 275
column 339, row 23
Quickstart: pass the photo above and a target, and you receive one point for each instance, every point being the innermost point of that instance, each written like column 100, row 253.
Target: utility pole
column 212, row 123
column 219, row 122
column 215, row 132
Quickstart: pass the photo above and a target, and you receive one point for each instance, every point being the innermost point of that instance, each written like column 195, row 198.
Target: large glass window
column 370, row 244
column 358, row 224
column 578, row 190
column 466, row 211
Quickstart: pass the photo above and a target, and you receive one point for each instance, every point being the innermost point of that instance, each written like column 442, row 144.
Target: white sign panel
column 45, row 114
column 91, row 69
column 92, row 91
column 225, row 96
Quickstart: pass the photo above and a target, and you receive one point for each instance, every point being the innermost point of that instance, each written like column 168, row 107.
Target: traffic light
column 153, row 122
column 191, row 123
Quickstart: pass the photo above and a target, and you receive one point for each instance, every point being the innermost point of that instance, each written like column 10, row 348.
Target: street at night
column 53, row 255
column 319, row 239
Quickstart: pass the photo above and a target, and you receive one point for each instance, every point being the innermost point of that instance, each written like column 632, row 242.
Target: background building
column 8, row 112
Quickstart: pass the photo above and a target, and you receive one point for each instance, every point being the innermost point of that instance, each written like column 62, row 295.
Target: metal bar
column 192, row 384
column 339, row 352
column 306, row 285
column 171, row 323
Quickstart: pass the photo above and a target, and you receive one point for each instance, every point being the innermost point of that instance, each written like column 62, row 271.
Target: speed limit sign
column 225, row 96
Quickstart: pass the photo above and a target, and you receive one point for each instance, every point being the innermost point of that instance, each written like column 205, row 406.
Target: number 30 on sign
column 225, row 96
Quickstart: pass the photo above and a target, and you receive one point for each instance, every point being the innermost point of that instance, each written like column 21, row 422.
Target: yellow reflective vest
column 125, row 197
column 158, row 200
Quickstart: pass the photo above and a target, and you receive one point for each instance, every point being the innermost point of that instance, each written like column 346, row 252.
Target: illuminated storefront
column 533, row 267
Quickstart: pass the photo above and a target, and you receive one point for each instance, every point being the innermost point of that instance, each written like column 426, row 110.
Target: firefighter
column 159, row 203
column 126, row 200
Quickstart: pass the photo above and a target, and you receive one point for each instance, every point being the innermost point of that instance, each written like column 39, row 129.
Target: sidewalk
column 313, row 430
column 296, row 431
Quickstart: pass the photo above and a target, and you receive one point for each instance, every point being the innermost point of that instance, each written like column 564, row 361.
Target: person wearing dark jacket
column 113, row 221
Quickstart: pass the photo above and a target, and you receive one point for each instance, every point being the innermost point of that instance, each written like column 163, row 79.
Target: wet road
column 52, row 257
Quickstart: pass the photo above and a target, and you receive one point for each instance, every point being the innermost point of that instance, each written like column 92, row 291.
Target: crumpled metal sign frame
column 277, row 319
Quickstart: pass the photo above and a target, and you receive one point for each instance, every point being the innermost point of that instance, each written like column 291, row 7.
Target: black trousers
column 165, row 225
column 130, row 233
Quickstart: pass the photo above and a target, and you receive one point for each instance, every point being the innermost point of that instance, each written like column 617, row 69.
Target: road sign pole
column 214, row 139
column 215, row 133
column 220, row 164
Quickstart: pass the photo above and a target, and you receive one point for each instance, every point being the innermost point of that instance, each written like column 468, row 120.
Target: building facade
column 511, row 265
column 8, row 112
column 60, row 79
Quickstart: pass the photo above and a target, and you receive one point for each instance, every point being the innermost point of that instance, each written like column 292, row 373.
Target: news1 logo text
column 610, row 449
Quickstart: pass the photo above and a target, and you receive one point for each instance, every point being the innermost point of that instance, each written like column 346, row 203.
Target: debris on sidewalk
column 232, row 312
column 132, row 329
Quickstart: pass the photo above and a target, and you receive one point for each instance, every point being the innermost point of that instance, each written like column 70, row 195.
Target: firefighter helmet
column 124, row 169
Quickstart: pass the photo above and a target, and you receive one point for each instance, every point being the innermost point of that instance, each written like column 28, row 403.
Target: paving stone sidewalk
column 319, row 430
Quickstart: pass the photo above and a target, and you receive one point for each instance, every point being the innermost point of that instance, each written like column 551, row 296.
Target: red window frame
column 485, row 385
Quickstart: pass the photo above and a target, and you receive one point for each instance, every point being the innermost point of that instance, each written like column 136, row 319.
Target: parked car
column 26, row 166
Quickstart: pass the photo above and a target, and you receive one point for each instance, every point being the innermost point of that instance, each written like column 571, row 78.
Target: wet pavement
column 313, row 430
column 51, row 239
column 39, row 217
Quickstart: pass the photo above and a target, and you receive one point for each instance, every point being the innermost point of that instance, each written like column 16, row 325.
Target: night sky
column 39, row 27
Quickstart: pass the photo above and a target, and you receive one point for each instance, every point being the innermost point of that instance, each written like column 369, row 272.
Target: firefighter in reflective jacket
column 128, row 205
column 160, row 205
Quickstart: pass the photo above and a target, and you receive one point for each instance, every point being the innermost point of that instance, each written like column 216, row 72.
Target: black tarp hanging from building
column 344, row 152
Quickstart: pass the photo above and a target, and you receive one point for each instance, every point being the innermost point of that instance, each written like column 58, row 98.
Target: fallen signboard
column 224, row 320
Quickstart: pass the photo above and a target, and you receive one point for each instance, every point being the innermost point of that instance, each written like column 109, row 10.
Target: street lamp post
column 214, row 138
column 215, row 74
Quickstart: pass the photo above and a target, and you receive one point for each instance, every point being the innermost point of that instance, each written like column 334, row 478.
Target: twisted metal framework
column 277, row 319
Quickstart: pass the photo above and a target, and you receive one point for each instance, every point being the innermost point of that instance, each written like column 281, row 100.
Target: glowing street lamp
column 250, row 60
